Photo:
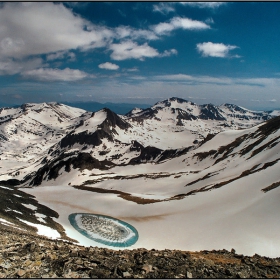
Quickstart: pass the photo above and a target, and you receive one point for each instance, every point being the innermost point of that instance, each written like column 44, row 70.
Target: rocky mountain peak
column 234, row 108
column 173, row 102
column 114, row 120
column 211, row 112
column 134, row 111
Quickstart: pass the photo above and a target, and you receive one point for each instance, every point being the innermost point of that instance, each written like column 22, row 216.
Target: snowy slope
column 219, row 195
column 27, row 132
column 37, row 136
column 188, row 122
column 220, row 191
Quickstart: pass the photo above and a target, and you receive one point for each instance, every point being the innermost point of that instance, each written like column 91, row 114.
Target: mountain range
column 206, row 175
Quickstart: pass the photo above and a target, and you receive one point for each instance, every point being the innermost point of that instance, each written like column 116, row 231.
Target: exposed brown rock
column 27, row 255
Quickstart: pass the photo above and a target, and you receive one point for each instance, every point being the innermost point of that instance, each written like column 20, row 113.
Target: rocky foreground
column 26, row 255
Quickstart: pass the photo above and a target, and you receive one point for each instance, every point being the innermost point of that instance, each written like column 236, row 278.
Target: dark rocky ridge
column 264, row 131
column 104, row 130
column 153, row 154
column 81, row 160
column 210, row 112
column 183, row 115
column 18, row 206
column 24, row 255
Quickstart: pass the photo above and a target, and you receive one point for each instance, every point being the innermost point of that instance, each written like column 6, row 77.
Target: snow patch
column 6, row 188
column 43, row 230
column 30, row 206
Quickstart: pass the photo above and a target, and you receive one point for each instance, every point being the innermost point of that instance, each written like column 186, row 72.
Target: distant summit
column 183, row 110
column 118, row 108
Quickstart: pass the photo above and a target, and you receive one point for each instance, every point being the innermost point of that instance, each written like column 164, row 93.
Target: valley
column 185, row 176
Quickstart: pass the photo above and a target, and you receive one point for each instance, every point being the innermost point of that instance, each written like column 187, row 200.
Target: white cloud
column 183, row 78
column 134, row 69
column 129, row 50
column 31, row 29
column 139, row 78
column 177, row 23
column 214, row 49
column 122, row 32
column 61, row 55
column 163, row 28
column 168, row 7
column 225, row 81
column 206, row 4
column 9, row 45
column 49, row 74
column 209, row 20
column 44, row 27
column 169, row 53
column 206, row 89
column 109, row 66
column 174, row 77
column 27, row 31
column 11, row 66
column 163, row 8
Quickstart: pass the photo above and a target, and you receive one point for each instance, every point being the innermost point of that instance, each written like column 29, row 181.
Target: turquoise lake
column 104, row 229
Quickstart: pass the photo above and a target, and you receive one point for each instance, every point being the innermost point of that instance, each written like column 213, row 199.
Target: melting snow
column 30, row 206
column 43, row 230
column 40, row 217
column 6, row 188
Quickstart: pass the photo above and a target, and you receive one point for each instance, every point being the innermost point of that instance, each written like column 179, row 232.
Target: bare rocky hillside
column 24, row 255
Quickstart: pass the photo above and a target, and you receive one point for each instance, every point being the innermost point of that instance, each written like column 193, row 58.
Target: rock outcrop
column 26, row 255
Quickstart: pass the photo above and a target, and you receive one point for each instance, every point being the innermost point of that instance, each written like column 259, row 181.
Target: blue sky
column 141, row 52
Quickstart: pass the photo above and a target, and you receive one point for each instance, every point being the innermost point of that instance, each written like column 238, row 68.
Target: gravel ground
column 25, row 255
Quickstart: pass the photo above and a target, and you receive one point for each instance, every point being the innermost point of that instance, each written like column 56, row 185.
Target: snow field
column 238, row 215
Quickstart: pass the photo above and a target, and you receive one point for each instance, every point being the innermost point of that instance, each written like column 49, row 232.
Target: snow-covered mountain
column 206, row 175
column 36, row 139
column 28, row 131
column 190, row 122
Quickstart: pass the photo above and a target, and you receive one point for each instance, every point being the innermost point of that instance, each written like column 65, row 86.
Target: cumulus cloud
column 10, row 66
column 49, row 74
column 11, row 45
column 214, row 49
column 129, row 49
column 26, row 29
column 26, row 32
column 162, row 28
column 122, row 32
column 109, row 66
column 169, row 53
column 177, row 23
